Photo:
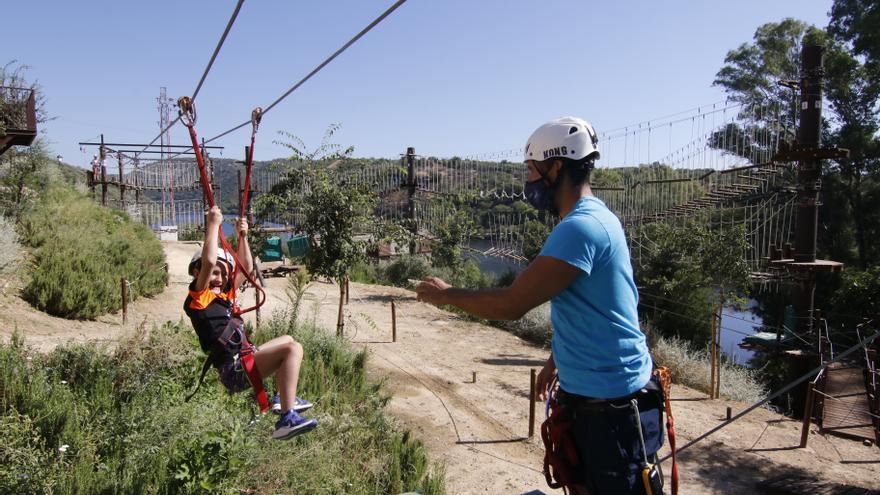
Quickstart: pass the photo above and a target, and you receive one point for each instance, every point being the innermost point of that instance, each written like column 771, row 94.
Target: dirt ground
column 479, row 430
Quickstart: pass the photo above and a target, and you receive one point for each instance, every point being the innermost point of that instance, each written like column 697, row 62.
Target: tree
column 684, row 271
column 453, row 231
column 751, row 74
column 330, row 211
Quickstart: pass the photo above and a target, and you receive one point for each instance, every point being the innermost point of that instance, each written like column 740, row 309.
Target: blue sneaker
column 299, row 405
column 292, row 424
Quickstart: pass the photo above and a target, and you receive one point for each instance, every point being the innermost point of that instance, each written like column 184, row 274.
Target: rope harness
column 235, row 328
column 561, row 459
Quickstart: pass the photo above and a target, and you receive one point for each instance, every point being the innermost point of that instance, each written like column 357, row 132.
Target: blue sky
column 450, row 77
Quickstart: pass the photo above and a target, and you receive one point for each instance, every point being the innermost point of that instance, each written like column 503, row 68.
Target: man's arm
column 544, row 278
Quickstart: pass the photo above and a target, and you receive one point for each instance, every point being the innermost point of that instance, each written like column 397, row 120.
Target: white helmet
column 222, row 255
column 566, row 137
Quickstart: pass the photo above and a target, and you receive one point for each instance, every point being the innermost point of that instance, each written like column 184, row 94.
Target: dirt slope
column 477, row 430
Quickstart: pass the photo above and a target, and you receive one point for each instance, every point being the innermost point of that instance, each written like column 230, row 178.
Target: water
column 734, row 324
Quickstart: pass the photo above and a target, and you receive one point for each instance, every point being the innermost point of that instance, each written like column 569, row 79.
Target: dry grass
column 690, row 367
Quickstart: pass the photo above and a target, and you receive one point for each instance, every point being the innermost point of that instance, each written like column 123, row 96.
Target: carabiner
column 186, row 109
column 256, row 116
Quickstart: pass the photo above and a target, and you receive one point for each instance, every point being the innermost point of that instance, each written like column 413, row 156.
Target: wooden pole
column 808, row 413
column 393, row 322
column 713, row 359
column 346, row 289
column 532, row 403
column 718, row 346
column 340, row 324
column 124, row 284
column 729, row 411
column 257, row 301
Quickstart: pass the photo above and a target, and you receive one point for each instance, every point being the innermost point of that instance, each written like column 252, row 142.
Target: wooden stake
column 340, row 324
column 473, row 377
column 393, row 322
column 808, row 413
column 713, row 360
column 346, row 290
column 532, row 403
column 729, row 411
column 124, row 284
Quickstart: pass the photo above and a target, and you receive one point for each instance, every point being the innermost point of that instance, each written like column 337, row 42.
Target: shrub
column 405, row 268
column 81, row 251
column 84, row 419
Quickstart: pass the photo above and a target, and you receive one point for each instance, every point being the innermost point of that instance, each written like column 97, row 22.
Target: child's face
column 218, row 279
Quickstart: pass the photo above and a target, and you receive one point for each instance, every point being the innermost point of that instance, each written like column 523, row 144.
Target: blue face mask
column 540, row 195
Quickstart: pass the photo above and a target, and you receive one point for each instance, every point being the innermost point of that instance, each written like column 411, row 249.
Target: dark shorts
column 607, row 441
column 233, row 376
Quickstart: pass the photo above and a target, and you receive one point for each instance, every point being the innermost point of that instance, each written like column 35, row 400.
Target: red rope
column 188, row 116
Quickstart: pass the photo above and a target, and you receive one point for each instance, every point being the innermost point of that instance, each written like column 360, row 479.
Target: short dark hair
column 577, row 171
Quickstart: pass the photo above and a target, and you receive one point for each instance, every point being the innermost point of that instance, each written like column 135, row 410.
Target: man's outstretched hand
column 431, row 290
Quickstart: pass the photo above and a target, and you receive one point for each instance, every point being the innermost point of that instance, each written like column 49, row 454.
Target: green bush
column 405, row 268
column 83, row 419
column 81, row 251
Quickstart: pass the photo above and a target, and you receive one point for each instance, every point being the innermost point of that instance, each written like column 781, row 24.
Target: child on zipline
column 209, row 306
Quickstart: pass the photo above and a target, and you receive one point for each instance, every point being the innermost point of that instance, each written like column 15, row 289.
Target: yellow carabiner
column 186, row 109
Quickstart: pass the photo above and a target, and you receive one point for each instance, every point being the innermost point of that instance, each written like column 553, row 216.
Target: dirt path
column 477, row 429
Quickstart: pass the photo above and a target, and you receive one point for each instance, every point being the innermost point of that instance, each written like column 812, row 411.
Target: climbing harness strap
column 664, row 376
column 250, row 368
column 560, row 453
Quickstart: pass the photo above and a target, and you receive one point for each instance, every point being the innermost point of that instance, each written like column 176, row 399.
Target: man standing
column 599, row 354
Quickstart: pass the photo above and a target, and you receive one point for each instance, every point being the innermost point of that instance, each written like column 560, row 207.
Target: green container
column 298, row 246
column 272, row 250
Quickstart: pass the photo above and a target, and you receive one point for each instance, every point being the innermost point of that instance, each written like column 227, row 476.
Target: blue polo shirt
column 598, row 347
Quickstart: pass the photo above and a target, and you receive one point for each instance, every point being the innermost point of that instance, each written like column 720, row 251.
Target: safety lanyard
column 187, row 111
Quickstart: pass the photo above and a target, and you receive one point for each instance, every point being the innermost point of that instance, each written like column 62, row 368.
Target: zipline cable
column 310, row 74
column 204, row 74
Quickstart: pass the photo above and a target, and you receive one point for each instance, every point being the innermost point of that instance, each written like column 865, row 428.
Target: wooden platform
column 848, row 412
column 789, row 484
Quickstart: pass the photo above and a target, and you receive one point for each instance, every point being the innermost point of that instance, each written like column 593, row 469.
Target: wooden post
column 393, row 322
column 473, row 377
column 121, row 179
column 729, row 411
column 346, row 289
column 340, row 324
column 713, row 359
column 532, row 403
column 103, row 155
column 124, row 284
column 257, row 301
column 808, row 413
column 718, row 347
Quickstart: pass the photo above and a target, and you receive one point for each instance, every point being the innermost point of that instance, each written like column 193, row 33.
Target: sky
column 448, row 77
